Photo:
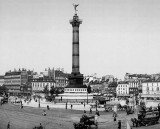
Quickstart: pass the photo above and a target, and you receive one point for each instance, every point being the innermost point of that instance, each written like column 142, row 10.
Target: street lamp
column 87, row 97
column 39, row 102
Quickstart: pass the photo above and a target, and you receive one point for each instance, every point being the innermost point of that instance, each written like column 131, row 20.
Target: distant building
column 134, row 88
column 15, row 81
column 108, row 78
column 38, row 85
column 96, row 87
column 137, row 77
column 58, row 76
column 1, row 80
column 155, row 77
column 151, row 89
column 49, row 73
column 111, row 90
column 122, row 89
column 61, row 78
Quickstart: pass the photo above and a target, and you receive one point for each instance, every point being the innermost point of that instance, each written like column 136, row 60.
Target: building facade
column 38, row 85
column 133, row 88
column 61, row 78
column 1, row 80
column 16, row 81
column 108, row 78
column 151, row 89
column 122, row 89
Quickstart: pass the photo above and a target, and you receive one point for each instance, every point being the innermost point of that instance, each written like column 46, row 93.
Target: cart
column 86, row 123
column 129, row 110
column 146, row 119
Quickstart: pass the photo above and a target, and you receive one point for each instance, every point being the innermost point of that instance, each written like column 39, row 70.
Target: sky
column 116, row 36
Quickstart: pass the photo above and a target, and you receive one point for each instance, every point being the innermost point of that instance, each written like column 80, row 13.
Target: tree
column 113, row 84
column 52, row 91
column 3, row 90
column 45, row 90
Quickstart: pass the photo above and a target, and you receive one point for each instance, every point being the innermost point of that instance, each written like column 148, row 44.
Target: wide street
column 28, row 117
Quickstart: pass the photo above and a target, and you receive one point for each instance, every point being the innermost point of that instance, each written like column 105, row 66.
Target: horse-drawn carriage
column 86, row 122
column 146, row 118
column 4, row 100
column 129, row 110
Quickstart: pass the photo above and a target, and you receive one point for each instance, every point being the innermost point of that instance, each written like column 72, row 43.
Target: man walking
column 8, row 125
column 159, row 109
column 40, row 127
column 96, row 120
column 66, row 105
column 119, row 124
column 90, row 111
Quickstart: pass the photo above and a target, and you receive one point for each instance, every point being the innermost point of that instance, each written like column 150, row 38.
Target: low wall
column 74, row 100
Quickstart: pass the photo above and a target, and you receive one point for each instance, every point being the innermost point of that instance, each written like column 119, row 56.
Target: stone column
column 75, row 45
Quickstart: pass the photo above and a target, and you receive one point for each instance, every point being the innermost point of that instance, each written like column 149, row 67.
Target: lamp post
column 97, row 100
column 87, row 96
column 87, row 92
column 39, row 101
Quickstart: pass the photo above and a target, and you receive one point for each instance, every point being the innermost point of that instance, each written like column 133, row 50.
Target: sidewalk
column 76, row 106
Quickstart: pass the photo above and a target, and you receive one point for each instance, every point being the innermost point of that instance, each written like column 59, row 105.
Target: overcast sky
column 116, row 36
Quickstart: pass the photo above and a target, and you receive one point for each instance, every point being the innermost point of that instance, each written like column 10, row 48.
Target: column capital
column 75, row 21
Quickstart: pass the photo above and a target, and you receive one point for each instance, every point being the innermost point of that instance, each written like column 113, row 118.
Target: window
column 157, row 88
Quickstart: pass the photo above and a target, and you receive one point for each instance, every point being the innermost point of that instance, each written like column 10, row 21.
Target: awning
column 14, row 91
column 123, row 95
column 113, row 103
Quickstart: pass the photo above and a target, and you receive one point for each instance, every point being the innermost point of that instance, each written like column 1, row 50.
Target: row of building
column 26, row 82
column 143, row 85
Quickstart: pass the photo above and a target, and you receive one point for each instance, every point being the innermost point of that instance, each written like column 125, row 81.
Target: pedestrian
column 84, row 114
column 61, row 98
column 71, row 106
column 47, row 107
column 119, row 124
column 40, row 127
column 90, row 110
column 96, row 120
column 66, row 105
column 159, row 109
column 84, row 105
column 97, row 112
column 8, row 125
column 114, row 118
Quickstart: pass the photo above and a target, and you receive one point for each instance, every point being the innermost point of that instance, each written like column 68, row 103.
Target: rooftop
column 1, row 76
